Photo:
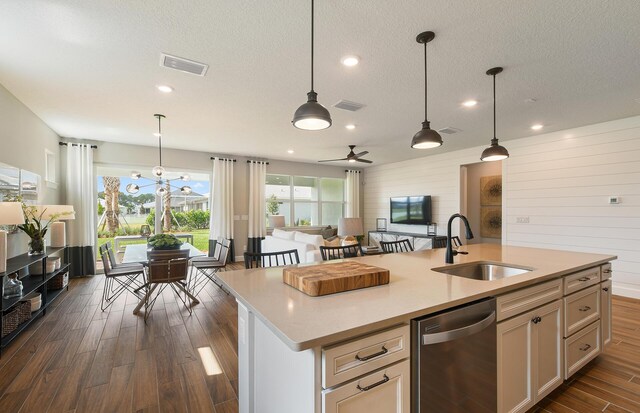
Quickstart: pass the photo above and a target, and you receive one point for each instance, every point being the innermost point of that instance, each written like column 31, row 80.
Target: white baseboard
column 626, row 290
column 239, row 258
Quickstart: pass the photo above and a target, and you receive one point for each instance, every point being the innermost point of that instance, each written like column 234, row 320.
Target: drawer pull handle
column 379, row 353
column 371, row 386
column 585, row 347
column 536, row 320
column 605, row 289
column 585, row 308
column 583, row 279
column 606, row 271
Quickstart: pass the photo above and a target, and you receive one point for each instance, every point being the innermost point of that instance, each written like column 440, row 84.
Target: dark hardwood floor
column 80, row 359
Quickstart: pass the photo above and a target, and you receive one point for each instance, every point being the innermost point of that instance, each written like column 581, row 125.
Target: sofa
column 308, row 245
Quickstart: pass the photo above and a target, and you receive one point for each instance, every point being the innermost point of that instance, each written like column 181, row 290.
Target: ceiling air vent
column 449, row 130
column 348, row 105
column 183, row 65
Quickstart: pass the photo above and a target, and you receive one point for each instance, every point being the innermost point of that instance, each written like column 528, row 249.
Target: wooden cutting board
column 316, row 280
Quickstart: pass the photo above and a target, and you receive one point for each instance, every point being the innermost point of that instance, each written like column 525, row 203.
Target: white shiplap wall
column 561, row 181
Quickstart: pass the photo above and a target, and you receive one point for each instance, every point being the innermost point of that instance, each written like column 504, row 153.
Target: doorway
column 481, row 201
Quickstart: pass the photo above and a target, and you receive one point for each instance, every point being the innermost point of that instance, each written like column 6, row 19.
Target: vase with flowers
column 36, row 227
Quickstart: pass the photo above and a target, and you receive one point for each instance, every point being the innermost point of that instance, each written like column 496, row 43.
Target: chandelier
column 158, row 172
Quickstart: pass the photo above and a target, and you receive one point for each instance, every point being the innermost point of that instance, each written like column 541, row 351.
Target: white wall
column 560, row 181
column 179, row 160
column 23, row 140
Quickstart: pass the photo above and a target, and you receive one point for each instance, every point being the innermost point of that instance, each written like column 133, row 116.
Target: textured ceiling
column 89, row 70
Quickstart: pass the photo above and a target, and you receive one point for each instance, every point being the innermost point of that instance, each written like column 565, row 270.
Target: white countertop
column 414, row 290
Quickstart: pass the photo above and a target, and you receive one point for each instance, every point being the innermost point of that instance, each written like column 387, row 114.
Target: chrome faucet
column 450, row 251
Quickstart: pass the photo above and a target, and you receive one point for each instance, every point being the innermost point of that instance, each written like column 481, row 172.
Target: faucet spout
column 469, row 235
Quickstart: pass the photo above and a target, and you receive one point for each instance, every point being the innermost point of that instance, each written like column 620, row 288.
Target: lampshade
column 426, row 138
column 276, row 221
column 61, row 212
column 11, row 213
column 312, row 115
column 350, row 226
column 495, row 152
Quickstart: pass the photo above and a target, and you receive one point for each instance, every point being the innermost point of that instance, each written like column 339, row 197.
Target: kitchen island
column 283, row 333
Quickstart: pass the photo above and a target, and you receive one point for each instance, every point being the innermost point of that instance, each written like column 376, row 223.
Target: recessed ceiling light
column 350, row 61
column 350, row 126
column 290, row 151
column 469, row 103
column 165, row 88
column 537, row 126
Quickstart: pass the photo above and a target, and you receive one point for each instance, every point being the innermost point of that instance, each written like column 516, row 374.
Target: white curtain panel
column 80, row 193
column 352, row 189
column 257, row 214
column 221, row 200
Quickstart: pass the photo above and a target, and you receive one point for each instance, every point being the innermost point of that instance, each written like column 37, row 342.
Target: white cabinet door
column 547, row 336
column 530, row 360
column 605, row 312
column 375, row 238
column 515, row 337
column 422, row 244
column 384, row 391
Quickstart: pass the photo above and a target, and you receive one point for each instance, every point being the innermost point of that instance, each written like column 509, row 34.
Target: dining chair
column 118, row 280
column 163, row 273
column 439, row 242
column 402, row 245
column 112, row 258
column 344, row 251
column 270, row 259
column 206, row 268
column 455, row 241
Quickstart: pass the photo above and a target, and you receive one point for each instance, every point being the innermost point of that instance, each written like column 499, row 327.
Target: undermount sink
column 483, row 270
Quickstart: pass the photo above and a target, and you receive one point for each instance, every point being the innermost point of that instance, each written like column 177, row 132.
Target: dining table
column 137, row 253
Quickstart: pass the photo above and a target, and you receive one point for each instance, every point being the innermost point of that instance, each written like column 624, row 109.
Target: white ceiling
column 89, row 70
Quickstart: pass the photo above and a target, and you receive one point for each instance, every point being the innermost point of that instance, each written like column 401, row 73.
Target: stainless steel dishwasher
column 453, row 365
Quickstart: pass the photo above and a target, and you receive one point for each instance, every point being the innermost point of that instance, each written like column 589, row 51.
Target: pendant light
column 312, row 115
column 426, row 138
column 495, row 152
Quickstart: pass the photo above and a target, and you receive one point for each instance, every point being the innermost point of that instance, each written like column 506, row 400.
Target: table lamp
column 349, row 228
column 10, row 214
column 58, row 228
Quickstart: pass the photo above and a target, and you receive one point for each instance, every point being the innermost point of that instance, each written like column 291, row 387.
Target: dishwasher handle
column 443, row 336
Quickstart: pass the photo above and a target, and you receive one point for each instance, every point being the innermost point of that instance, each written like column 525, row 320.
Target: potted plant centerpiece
column 164, row 242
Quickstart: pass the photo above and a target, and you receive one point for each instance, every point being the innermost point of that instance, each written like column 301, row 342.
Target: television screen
column 414, row 210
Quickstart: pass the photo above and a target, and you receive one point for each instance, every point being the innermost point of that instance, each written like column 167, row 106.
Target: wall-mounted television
column 411, row 210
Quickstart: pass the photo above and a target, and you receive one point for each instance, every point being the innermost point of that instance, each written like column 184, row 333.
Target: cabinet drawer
column 581, row 348
column 385, row 391
column 517, row 302
column 349, row 360
column 580, row 309
column 580, row 280
column 606, row 271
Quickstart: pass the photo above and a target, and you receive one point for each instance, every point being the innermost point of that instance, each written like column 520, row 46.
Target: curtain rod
column 264, row 162
column 223, row 159
column 78, row 144
column 352, row 170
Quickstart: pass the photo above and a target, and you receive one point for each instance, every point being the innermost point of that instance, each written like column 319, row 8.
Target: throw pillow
column 327, row 232
column 278, row 233
column 315, row 240
column 335, row 242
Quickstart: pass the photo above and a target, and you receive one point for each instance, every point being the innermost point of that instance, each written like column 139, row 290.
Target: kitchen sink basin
column 483, row 270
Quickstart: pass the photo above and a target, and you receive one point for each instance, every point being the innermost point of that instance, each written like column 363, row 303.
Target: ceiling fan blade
column 363, row 153
column 334, row 160
column 364, row 160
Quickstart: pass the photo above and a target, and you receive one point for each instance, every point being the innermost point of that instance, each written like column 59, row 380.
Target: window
column 305, row 200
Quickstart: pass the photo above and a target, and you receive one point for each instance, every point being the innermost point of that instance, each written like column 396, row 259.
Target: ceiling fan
column 351, row 157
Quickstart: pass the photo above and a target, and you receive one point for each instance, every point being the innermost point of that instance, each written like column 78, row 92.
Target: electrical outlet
column 244, row 248
column 614, row 199
column 522, row 220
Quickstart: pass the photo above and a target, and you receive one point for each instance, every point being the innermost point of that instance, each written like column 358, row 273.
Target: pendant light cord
column 425, row 82
column 160, row 139
column 312, row 1
column 494, row 106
